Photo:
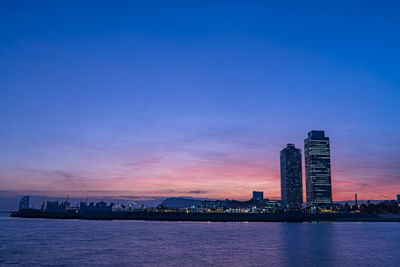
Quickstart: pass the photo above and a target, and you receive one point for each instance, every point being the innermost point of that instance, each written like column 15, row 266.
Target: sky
column 196, row 98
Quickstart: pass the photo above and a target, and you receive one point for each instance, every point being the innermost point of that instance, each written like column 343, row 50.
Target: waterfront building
column 291, row 178
column 214, row 204
column 24, row 203
column 56, row 207
column 398, row 200
column 318, row 169
column 98, row 207
column 258, row 196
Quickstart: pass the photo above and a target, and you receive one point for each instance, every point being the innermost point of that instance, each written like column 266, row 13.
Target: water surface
column 146, row 243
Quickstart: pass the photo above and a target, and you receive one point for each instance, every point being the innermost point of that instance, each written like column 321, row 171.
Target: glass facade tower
column 318, row 169
column 291, row 178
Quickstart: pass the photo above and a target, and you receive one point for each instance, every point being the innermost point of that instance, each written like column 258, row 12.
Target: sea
column 54, row 242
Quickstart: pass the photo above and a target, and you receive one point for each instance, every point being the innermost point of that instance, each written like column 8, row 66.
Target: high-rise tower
column 318, row 169
column 291, row 178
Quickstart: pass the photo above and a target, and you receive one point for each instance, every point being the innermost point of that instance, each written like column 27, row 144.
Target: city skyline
column 153, row 100
column 199, row 133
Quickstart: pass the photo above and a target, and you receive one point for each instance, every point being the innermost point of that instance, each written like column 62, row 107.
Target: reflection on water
column 75, row 242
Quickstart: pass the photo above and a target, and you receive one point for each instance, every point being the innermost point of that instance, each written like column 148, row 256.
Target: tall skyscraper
column 291, row 178
column 318, row 168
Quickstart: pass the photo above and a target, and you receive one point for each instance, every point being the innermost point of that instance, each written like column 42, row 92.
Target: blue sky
column 196, row 97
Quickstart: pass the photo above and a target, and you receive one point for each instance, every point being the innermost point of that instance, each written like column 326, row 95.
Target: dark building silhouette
column 56, row 207
column 318, row 169
column 258, row 196
column 98, row 207
column 291, row 178
column 24, row 203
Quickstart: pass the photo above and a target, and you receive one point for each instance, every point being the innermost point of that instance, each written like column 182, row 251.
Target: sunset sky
column 196, row 98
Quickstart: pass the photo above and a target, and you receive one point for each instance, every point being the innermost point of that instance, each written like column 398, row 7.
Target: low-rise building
column 57, row 207
column 258, row 196
column 24, row 203
column 98, row 207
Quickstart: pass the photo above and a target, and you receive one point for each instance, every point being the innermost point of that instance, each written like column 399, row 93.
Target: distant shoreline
column 210, row 217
